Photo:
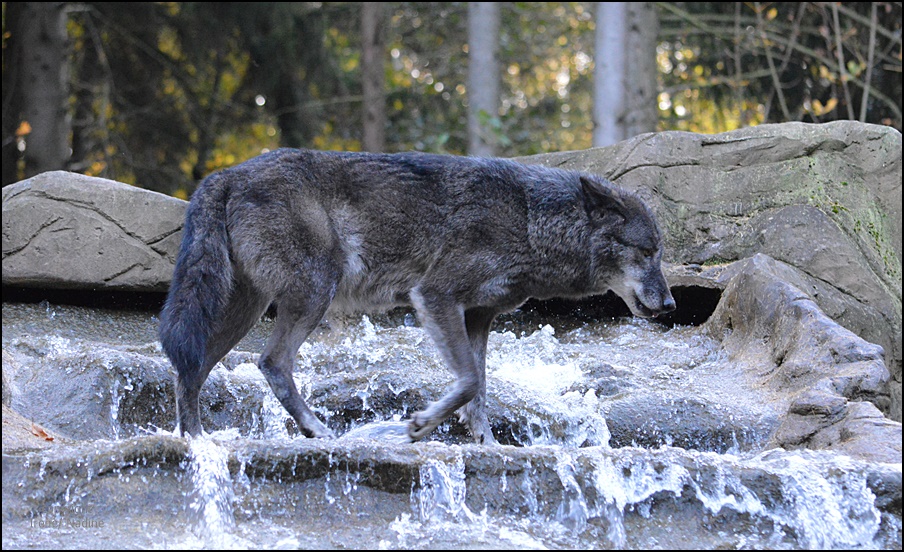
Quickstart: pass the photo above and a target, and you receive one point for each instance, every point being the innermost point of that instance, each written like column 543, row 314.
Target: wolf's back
column 202, row 280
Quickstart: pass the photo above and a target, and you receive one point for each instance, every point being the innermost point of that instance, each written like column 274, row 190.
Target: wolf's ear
column 601, row 199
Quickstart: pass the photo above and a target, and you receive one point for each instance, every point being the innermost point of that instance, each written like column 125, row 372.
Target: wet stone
column 610, row 430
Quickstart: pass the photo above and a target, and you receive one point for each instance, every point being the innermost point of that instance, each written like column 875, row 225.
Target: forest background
column 160, row 94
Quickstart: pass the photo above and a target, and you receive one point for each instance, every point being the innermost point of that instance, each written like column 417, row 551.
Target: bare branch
column 869, row 63
column 839, row 48
column 889, row 34
column 775, row 80
column 738, row 79
column 737, row 63
column 832, row 65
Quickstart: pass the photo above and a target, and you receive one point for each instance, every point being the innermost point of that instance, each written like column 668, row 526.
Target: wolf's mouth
column 646, row 312
column 641, row 310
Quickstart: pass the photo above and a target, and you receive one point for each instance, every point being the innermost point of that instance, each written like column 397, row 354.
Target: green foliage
column 157, row 103
column 165, row 93
column 547, row 56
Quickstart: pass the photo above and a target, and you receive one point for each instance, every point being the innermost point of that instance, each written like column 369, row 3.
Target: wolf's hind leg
column 244, row 309
column 296, row 318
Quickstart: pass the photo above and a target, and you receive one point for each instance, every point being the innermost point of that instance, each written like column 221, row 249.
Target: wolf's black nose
column 668, row 305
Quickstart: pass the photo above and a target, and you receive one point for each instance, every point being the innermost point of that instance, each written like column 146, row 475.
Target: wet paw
column 318, row 431
column 328, row 434
column 463, row 416
column 482, row 434
column 418, row 427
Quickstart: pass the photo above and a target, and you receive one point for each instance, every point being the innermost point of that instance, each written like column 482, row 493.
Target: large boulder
column 69, row 231
column 832, row 380
column 825, row 199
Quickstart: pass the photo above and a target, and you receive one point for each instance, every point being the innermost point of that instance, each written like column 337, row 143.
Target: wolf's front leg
column 444, row 320
column 478, row 321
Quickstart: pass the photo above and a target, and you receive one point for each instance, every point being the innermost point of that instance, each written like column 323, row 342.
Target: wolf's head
column 626, row 248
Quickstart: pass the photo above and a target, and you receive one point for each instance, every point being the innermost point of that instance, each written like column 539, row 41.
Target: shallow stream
column 619, row 433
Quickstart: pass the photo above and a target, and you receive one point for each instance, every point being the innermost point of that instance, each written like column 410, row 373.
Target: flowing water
column 618, row 433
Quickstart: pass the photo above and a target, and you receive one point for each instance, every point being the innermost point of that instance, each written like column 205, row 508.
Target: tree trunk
column 609, row 101
column 483, row 76
column 642, row 88
column 44, row 72
column 12, row 93
column 373, row 74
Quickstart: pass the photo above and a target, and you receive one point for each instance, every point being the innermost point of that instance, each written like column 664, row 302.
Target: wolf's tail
column 202, row 280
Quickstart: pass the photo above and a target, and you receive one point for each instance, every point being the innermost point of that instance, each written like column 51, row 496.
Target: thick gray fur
column 462, row 239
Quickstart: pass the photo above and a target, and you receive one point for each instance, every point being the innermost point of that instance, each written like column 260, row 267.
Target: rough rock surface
column 69, row 231
column 835, row 379
column 355, row 493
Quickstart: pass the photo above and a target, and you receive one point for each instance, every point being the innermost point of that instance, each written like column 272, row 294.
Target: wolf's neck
column 559, row 236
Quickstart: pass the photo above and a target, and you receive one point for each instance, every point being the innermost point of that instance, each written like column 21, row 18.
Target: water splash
column 442, row 492
column 794, row 499
column 441, row 517
column 825, row 501
column 210, row 501
column 545, row 378
column 572, row 511
column 553, row 386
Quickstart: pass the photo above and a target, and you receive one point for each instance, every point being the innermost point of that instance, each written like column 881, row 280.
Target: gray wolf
column 461, row 239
